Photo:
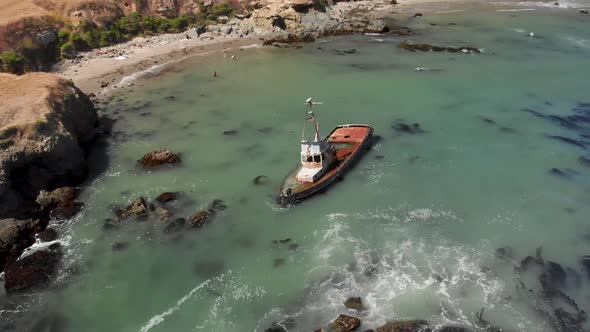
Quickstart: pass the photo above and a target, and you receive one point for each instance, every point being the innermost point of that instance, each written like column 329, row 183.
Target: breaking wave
column 157, row 319
column 150, row 72
column 406, row 278
column 563, row 4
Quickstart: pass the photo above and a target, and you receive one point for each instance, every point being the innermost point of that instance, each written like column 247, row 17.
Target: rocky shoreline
column 102, row 69
column 45, row 140
column 47, row 127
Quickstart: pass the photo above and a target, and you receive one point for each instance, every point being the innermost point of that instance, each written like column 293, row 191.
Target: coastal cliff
column 44, row 123
column 61, row 29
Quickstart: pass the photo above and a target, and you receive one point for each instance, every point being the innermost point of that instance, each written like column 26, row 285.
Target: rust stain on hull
column 350, row 142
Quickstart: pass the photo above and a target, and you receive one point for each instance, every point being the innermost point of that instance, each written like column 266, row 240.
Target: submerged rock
column 504, row 253
column 167, row 197
column 278, row 262
column 405, row 326
column 488, row 120
column 159, row 157
column 345, row 52
column 565, row 173
column 556, row 275
column 584, row 161
column 454, row 328
column 432, row 48
column 261, row 179
column 120, row 246
column 413, row 128
column 218, row 205
column 16, row 235
column 49, row 234
column 175, row 225
column 231, row 132
column 201, row 218
column 568, row 140
column 137, row 209
column 345, row 323
column 59, row 203
column 283, row 241
column 355, row 303
column 34, row 270
column 585, row 262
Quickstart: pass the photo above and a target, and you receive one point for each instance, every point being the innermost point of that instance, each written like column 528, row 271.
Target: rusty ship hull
column 350, row 142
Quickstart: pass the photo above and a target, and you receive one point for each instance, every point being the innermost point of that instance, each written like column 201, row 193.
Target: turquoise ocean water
column 413, row 229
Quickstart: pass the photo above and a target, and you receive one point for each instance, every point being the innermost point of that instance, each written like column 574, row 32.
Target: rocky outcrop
column 35, row 37
column 345, row 323
column 404, row 326
column 16, row 235
column 288, row 23
column 158, row 158
column 45, row 122
column 355, row 303
column 98, row 12
column 59, row 203
column 32, row 270
column 433, row 48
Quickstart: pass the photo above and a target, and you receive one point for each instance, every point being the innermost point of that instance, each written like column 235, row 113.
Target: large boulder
column 100, row 13
column 158, row 157
column 416, row 325
column 138, row 209
column 345, row 323
column 355, row 303
column 16, row 235
column 45, row 123
column 59, row 203
column 34, row 36
column 32, row 270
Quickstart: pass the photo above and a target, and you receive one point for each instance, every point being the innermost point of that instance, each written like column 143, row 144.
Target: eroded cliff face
column 301, row 20
column 100, row 12
column 45, row 121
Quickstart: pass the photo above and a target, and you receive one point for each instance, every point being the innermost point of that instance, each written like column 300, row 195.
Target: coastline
column 139, row 59
column 103, row 69
column 110, row 65
column 99, row 70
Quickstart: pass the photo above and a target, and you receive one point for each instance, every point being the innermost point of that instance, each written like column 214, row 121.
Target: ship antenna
column 311, row 117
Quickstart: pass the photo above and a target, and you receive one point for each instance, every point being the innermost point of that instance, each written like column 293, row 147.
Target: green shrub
column 164, row 26
column 88, row 35
column 40, row 125
column 150, row 24
column 67, row 50
column 180, row 23
column 212, row 12
column 92, row 38
column 12, row 62
column 8, row 132
column 222, row 9
column 108, row 38
column 87, row 25
column 5, row 143
column 78, row 42
column 63, row 37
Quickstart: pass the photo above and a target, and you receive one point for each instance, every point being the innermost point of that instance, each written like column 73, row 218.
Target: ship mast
column 310, row 117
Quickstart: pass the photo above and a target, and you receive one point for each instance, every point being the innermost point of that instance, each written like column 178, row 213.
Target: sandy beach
column 102, row 69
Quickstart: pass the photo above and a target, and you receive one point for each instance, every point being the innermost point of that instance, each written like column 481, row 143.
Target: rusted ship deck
column 350, row 142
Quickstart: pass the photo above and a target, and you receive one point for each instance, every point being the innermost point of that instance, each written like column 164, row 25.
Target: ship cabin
column 317, row 155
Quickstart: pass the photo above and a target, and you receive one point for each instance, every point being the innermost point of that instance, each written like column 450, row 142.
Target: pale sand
column 106, row 65
column 102, row 65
